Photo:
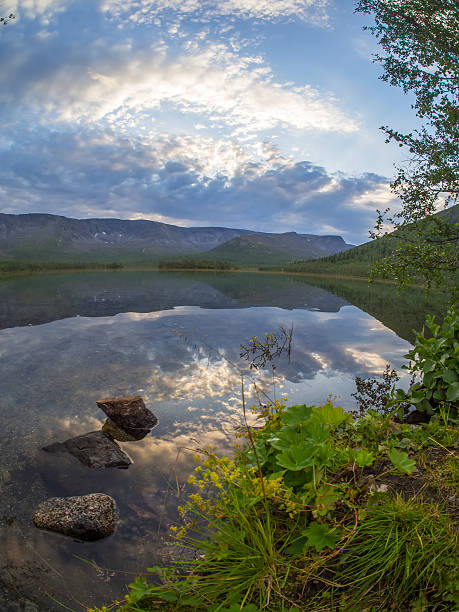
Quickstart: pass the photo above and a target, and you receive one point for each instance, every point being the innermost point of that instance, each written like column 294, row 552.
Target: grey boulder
column 85, row 517
column 95, row 449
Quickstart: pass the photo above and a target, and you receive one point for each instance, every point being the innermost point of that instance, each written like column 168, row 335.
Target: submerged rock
column 85, row 517
column 130, row 414
column 95, row 449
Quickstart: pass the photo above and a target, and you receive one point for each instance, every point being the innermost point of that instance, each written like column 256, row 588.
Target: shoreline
column 4, row 275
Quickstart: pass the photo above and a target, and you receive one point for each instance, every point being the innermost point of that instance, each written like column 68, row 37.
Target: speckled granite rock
column 85, row 517
column 130, row 414
column 95, row 449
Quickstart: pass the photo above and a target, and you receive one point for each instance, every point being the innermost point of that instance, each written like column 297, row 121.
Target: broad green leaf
column 286, row 438
column 296, row 458
column 276, row 475
column 297, row 479
column 325, row 500
column 315, row 432
column 363, row 457
column 321, row 454
column 295, row 415
column 320, row 536
column 428, row 366
column 139, row 588
column 330, row 415
column 401, row 461
column 452, row 395
column 439, row 395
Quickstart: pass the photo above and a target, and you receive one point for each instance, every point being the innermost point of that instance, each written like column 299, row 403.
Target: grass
column 403, row 553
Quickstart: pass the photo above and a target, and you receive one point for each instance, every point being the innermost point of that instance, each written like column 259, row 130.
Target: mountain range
column 45, row 237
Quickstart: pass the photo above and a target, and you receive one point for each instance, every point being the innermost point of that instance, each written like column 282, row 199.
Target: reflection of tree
column 402, row 312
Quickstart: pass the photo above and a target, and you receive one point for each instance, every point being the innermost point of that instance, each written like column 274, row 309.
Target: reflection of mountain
column 402, row 312
column 41, row 299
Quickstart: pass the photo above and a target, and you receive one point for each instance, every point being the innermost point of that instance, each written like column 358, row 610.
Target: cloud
column 44, row 10
column 186, row 181
column 147, row 11
column 127, row 87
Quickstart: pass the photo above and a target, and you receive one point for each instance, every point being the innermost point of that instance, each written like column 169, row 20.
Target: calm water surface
column 67, row 340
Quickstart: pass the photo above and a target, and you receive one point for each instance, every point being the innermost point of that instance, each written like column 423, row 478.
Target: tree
column 5, row 20
column 420, row 40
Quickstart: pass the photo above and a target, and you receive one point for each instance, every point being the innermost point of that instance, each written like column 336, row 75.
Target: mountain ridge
column 44, row 237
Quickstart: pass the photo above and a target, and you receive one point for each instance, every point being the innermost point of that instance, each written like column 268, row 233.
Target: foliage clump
column 435, row 358
column 420, row 54
column 314, row 513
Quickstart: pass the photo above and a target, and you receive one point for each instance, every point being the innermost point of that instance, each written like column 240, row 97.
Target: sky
column 255, row 114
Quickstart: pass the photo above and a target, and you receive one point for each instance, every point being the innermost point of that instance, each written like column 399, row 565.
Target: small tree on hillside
column 420, row 40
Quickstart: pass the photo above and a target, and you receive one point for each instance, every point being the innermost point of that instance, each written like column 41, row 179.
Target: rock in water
column 86, row 517
column 130, row 414
column 115, row 432
column 95, row 449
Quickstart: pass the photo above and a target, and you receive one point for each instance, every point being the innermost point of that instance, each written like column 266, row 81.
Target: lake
column 67, row 340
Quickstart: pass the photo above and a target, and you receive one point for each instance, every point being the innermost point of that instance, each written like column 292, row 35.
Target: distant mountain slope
column 52, row 237
column 358, row 260
column 277, row 248
column 43, row 237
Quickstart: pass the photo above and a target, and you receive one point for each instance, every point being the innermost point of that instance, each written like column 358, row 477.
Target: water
column 67, row 340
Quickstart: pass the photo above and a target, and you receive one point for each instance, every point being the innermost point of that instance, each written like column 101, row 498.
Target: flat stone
column 95, row 450
column 130, row 414
column 85, row 517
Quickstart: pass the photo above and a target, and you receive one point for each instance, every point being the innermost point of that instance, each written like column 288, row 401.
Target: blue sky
column 260, row 114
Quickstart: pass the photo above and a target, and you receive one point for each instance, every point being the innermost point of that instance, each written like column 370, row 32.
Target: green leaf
column 325, row 500
column 330, row 415
column 439, row 395
column 429, row 366
column 401, row 461
column 139, row 588
column 315, row 432
column 320, row 536
column 363, row 457
column 452, row 395
column 296, row 457
column 297, row 547
column 295, row 415
column 167, row 595
column 285, row 439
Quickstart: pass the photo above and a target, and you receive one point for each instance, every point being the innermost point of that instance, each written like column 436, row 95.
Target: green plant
column 436, row 359
column 294, row 520
column 403, row 550
column 420, row 54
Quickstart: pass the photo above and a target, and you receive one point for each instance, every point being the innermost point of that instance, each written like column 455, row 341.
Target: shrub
column 435, row 357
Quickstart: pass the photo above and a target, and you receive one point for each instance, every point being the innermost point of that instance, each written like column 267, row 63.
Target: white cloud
column 123, row 86
column 33, row 9
column 379, row 195
column 147, row 11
